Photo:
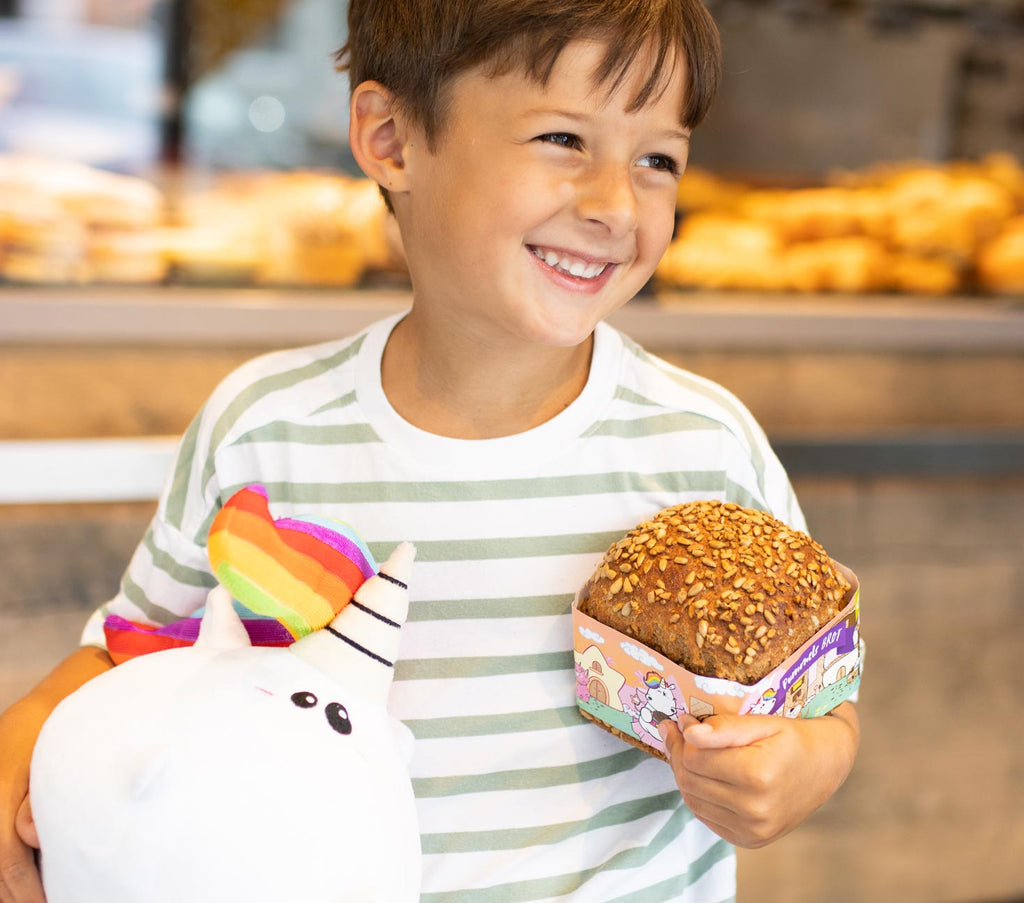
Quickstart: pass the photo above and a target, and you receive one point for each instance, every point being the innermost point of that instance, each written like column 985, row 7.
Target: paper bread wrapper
column 627, row 687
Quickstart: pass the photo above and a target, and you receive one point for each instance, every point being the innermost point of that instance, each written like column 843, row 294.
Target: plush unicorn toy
column 226, row 771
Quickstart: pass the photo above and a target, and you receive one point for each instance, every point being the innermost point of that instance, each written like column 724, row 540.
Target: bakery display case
column 189, row 145
column 866, row 226
column 879, row 206
column 63, row 223
column 915, row 228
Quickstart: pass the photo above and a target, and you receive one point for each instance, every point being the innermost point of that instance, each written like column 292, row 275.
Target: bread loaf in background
column 722, row 590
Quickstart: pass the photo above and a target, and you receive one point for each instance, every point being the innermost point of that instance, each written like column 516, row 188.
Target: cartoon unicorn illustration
column 654, row 706
column 765, row 703
column 227, row 771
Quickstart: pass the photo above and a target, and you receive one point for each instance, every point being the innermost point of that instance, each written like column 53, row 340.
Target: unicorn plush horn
column 361, row 644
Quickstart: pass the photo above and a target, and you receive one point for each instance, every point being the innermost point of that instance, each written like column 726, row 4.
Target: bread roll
column 724, row 591
column 1001, row 261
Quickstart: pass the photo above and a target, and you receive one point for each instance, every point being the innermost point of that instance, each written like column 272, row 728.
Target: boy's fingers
column 724, row 731
column 25, row 825
column 707, row 798
column 669, row 732
column 672, row 728
column 19, row 878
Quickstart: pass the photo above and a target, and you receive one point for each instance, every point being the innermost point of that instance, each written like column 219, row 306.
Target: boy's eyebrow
column 554, row 111
column 682, row 133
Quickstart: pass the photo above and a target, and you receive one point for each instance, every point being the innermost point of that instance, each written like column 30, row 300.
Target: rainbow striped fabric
column 301, row 571
column 294, row 575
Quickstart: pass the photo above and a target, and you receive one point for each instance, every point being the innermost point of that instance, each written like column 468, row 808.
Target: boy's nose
column 606, row 195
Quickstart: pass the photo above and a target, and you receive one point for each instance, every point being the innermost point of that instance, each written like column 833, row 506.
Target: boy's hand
column 753, row 778
column 19, row 878
column 19, row 728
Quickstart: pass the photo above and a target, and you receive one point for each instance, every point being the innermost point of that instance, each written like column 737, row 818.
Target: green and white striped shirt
column 519, row 797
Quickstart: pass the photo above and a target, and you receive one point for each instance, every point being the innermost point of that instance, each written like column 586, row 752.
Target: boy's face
column 543, row 208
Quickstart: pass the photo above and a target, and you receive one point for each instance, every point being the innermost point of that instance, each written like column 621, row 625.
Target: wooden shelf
column 699, row 320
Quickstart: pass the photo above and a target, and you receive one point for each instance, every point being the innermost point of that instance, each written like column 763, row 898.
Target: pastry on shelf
column 854, row 265
column 806, row 214
column 64, row 222
column 1000, row 262
column 1001, row 168
column 920, row 275
column 93, row 197
column 701, row 189
column 933, row 211
column 135, row 257
column 913, row 227
column 299, row 228
column 40, row 243
column 717, row 251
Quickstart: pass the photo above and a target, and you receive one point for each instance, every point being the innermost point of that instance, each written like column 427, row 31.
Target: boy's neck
column 447, row 384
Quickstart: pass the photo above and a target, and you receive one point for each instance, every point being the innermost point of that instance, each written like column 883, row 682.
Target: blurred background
column 176, row 195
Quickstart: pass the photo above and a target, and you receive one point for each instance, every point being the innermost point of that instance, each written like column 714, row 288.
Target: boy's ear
column 377, row 135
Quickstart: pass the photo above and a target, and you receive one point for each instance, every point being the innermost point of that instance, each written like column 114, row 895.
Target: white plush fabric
column 222, row 771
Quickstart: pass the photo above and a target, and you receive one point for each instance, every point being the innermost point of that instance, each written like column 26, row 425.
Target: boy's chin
column 566, row 339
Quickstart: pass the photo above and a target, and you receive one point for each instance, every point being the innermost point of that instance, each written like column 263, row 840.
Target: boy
column 530, row 151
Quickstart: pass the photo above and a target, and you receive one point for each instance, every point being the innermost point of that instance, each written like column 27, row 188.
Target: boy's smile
column 542, row 208
column 571, row 265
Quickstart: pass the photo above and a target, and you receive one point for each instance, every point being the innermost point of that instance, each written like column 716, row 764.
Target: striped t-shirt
column 519, row 798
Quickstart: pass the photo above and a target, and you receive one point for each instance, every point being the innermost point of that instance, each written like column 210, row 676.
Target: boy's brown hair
column 416, row 47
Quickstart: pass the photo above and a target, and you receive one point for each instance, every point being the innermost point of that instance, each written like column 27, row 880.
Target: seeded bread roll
column 722, row 590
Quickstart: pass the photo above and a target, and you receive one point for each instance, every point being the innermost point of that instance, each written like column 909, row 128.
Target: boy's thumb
column 671, row 731
column 723, row 731
column 25, row 825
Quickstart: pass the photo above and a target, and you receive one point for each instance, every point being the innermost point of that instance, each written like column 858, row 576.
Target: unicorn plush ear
column 221, row 628
column 359, row 647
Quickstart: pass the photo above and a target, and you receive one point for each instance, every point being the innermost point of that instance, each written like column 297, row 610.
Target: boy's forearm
column 81, row 666
column 21, row 723
column 19, row 728
column 77, row 669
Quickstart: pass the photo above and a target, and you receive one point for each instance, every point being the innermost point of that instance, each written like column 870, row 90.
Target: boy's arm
column 19, row 727
column 753, row 778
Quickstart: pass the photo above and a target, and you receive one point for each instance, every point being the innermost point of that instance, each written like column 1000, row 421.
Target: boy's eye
column 562, row 139
column 661, row 162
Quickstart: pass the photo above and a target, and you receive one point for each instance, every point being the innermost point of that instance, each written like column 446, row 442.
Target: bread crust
column 629, row 738
column 724, row 591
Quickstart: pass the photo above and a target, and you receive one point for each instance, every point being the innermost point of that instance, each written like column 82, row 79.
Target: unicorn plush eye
column 337, row 718
column 337, row 714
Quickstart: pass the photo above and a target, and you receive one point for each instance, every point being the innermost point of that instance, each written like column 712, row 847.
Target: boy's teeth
column 574, row 268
